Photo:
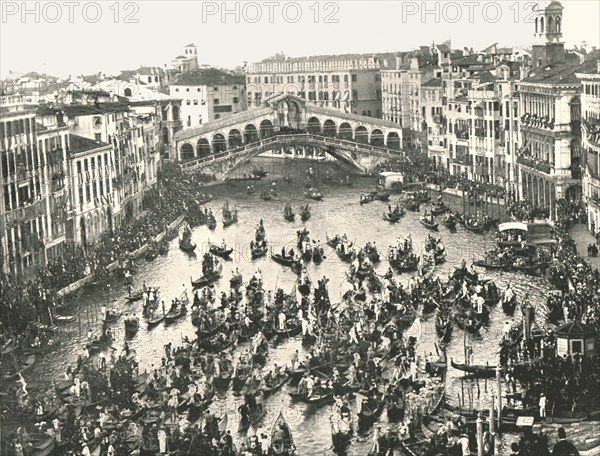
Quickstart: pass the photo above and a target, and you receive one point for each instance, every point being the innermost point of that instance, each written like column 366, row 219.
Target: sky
column 65, row 38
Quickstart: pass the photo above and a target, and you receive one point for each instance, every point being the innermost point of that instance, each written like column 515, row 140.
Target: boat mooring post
column 479, row 435
column 499, row 382
column 492, row 417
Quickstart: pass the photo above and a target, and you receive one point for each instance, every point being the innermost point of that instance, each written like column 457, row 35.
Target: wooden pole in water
column 499, row 392
column 479, row 435
column 492, row 419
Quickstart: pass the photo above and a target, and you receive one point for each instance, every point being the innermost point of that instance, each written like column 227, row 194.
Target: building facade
column 590, row 112
column 208, row 94
column 33, row 186
column 351, row 83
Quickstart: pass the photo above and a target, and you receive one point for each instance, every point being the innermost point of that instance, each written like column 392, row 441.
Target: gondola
column 407, row 264
column 217, row 250
column 477, row 370
column 305, row 213
column 211, row 223
column 487, row 265
column 187, row 245
column 508, row 306
column 10, row 371
column 209, row 278
column 440, row 257
column 429, row 225
column 392, row 217
column 449, row 223
column 366, row 198
column 41, row 445
column 135, row 296
column 155, row 319
column 317, row 196
column 259, row 234
column 286, row 261
column 267, row 390
column 412, row 206
column 532, row 269
column 258, row 252
column 289, row 216
column 318, row 255
column 369, row 413
column 282, row 441
column 227, row 222
column 175, row 314
column 289, row 331
column 131, row 326
column 259, row 173
column 321, row 398
column 236, row 281
column 477, row 229
column 473, row 327
column 439, row 209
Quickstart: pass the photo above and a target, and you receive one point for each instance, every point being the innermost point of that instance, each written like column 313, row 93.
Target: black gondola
column 208, row 278
column 187, row 245
column 217, row 250
column 428, row 224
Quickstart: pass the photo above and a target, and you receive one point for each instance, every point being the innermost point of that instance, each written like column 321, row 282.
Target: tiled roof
column 208, row 76
column 79, row 144
column 554, row 74
column 435, row 82
column 282, row 58
column 443, row 47
column 82, row 109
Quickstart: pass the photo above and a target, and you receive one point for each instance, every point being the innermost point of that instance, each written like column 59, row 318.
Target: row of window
column 290, row 79
column 216, row 101
column 199, row 89
column 8, row 128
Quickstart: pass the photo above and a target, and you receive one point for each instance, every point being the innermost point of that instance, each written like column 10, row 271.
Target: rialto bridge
column 290, row 124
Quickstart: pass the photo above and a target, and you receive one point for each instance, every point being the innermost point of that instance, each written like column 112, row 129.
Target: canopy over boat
column 513, row 226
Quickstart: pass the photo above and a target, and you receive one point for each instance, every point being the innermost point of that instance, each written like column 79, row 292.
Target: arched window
column 187, row 151
column 127, row 92
column 313, row 125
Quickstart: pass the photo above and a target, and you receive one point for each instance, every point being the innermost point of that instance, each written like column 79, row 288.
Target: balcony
column 462, row 134
column 540, row 165
column 461, row 160
column 533, row 121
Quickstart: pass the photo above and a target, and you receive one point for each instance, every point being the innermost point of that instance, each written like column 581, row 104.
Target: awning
column 546, row 241
column 513, row 226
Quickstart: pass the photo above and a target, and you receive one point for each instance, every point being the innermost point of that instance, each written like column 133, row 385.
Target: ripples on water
column 339, row 212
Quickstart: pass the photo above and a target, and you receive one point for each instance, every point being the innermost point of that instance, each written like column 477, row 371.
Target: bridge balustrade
column 261, row 143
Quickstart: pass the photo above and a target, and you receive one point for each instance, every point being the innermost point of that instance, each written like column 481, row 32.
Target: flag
column 414, row 331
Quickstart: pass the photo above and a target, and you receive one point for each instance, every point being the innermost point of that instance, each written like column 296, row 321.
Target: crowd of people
column 23, row 302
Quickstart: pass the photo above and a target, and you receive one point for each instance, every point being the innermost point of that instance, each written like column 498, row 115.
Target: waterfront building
column 350, row 82
column 135, row 163
column 208, row 94
column 34, row 185
column 549, row 157
column 401, row 89
column 589, row 74
column 92, row 176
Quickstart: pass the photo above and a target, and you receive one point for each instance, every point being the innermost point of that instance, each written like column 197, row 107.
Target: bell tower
column 553, row 20
column 548, row 49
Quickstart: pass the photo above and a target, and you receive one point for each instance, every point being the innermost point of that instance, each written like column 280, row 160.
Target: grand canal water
column 338, row 213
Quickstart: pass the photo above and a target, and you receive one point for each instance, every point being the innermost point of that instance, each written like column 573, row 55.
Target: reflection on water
column 338, row 213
